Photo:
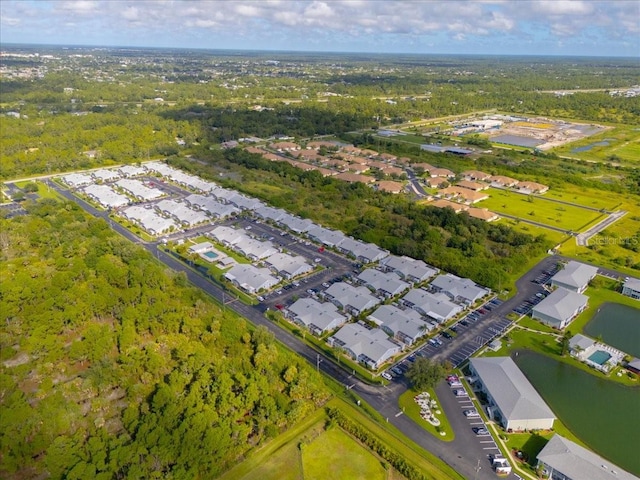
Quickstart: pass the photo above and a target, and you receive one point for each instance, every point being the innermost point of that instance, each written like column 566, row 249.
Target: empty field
column 334, row 454
column 621, row 143
column 537, row 209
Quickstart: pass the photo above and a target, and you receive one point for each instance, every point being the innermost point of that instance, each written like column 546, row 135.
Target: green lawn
column 412, row 410
column 624, row 143
column 552, row 235
column 537, row 209
column 334, row 454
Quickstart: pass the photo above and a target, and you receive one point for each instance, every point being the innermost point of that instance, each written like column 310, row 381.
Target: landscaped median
column 412, row 409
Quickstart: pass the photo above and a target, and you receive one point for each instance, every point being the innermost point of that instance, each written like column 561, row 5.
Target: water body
column 517, row 140
column 603, row 414
column 619, row 326
column 586, row 148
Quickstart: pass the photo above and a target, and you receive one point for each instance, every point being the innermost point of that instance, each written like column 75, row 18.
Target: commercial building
column 562, row 459
column 560, row 308
column 513, row 402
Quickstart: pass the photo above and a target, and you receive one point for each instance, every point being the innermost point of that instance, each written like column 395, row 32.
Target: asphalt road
column 466, row 452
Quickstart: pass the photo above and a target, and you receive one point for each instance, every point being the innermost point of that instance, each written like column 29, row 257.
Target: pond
column 603, row 414
column 586, row 148
column 618, row 325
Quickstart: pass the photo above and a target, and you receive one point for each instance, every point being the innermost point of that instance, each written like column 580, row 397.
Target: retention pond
column 618, row 325
column 602, row 413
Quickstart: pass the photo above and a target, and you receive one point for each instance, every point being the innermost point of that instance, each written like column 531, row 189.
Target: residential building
column 575, row 276
column 475, row 175
column 328, row 238
column 461, row 290
column 435, row 306
column 482, row 214
column 387, row 284
column 456, row 207
column 562, row 459
column 560, row 308
column 353, row 300
column 514, row 403
column 106, row 196
column 502, row 181
column 318, row 317
column 631, row 288
column 363, row 252
column 251, row 279
column 371, row 347
column 287, row 265
column 407, row 326
column 409, row 269
column 532, row 187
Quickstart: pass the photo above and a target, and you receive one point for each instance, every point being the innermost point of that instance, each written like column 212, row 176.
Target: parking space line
column 490, row 448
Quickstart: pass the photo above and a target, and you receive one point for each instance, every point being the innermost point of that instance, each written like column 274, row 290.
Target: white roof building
column 269, row 213
column 436, row 306
column 405, row 325
column 181, row 212
column 105, row 196
column 227, row 235
column 255, row 249
column 317, row 317
column 459, row 289
column 388, row 284
column 296, row 224
column 243, row 202
column 515, row 404
column 131, row 171
column 329, row 238
column 631, row 288
column 150, row 221
column 251, row 279
column 562, row 459
column 575, row 276
column 212, row 206
column 409, row 269
column 105, row 175
column 354, row 300
column 560, row 308
column 201, row 247
column 138, row 189
column 76, row 180
column 363, row 252
column 287, row 265
column 369, row 346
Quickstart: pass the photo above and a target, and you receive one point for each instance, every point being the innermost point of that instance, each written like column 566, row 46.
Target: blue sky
column 536, row 27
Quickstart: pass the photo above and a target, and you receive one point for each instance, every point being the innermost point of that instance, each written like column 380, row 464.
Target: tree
column 565, row 343
column 425, row 373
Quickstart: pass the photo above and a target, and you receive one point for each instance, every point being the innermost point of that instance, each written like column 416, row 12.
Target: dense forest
column 112, row 367
column 486, row 252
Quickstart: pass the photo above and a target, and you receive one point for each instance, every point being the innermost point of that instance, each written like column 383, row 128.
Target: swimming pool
column 211, row 255
column 599, row 357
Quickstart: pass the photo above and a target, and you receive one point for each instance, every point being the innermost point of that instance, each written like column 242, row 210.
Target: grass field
column 334, row 454
column 552, row 235
column 624, row 144
column 537, row 209
column 412, row 410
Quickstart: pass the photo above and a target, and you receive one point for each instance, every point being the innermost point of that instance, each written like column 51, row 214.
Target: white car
column 471, row 413
column 387, row 376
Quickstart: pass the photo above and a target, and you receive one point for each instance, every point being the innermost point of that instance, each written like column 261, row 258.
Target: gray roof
column 577, row 462
column 369, row 252
column 211, row 205
column 182, row 212
column 138, row 189
column 511, row 391
column 270, row 213
column 409, row 267
column 324, row 316
column 458, row 287
column 407, row 321
column 579, row 340
column 561, row 304
column 251, row 278
column 331, row 238
column 372, row 343
column 149, row 220
column 387, row 282
column 359, row 298
column 633, row 284
column 436, row 305
column 107, row 196
column 297, row 224
column 574, row 275
column 289, row 265
column 251, row 247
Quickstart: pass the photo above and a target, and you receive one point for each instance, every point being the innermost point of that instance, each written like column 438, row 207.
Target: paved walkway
column 583, row 238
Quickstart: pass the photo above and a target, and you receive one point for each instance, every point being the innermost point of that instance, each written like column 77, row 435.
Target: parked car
column 387, row 376
column 480, row 431
column 473, row 413
column 459, row 393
